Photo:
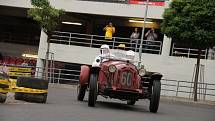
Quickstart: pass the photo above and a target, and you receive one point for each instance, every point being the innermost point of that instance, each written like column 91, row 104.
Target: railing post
column 37, row 71
column 91, row 40
column 70, row 35
column 114, row 39
column 160, row 48
column 177, row 89
column 206, row 86
column 173, row 46
column 136, row 44
column 188, row 54
column 59, row 72
column 206, row 52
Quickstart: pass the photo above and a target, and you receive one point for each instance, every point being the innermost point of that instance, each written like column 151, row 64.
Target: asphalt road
column 63, row 106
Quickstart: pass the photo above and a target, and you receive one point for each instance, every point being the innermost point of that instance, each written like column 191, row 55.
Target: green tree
column 191, row 23
column 48, row 18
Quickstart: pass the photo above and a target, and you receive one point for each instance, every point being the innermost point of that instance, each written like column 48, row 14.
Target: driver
column 104, row 52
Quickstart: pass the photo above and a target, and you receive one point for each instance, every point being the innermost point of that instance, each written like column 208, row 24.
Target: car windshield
column 118, row 56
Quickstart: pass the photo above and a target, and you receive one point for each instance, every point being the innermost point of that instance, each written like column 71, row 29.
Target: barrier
column 13, row 88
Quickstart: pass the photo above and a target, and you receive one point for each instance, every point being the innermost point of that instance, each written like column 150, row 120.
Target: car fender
column 156, row 76
column 84, row 74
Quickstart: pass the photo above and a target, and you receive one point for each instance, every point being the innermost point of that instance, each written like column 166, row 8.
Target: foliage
column 190, row 23
column 40, row 3
column 47, row 16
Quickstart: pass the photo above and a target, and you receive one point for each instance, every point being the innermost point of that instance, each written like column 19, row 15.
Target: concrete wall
column 101, row 8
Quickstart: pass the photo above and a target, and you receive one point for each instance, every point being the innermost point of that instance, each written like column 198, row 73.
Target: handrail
column 180, row 51
column 186, row 87
column 69, row 38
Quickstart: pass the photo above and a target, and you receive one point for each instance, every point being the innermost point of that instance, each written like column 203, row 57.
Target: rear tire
column 131, row 102
column 81, row 90
column 93, row 90
column 155, row 97
column 3, row 97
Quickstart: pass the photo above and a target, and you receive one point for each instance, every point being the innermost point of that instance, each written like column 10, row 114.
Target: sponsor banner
column 151, row 2
column 19, row 74
column 18, row 69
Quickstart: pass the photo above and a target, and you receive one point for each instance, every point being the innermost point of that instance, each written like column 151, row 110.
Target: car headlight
column 142, row 72
column 112, row 68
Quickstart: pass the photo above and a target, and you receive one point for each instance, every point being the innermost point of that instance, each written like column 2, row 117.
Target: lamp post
column 142, row 35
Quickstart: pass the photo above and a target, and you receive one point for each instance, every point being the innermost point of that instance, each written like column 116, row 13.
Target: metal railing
column 56, row 75
column 177, row 88
column 95, row 41
column 187, row 52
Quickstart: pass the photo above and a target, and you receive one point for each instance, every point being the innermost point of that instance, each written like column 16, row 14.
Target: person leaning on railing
column 134, row 39
column 109, row 31
column 151, row 36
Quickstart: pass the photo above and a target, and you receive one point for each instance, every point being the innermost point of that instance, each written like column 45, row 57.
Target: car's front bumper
column 124, row 94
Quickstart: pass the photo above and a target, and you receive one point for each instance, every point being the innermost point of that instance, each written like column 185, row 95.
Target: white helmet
column 130, row 55
column 105, row 49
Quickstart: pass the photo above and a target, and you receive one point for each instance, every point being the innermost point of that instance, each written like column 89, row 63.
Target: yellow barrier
column 19, row 71
column 13, row 88
column 18, row 74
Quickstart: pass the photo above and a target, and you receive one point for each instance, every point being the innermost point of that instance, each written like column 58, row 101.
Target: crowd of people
column 17, row 61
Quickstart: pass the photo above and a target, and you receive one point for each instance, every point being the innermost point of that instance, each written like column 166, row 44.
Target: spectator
column 134, row 38
column 24, row 63
column 151, row 36
column 211, row 53
column 5, row 69
column 109, row 31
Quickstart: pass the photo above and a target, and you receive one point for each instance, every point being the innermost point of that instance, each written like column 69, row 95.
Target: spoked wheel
column 155, row 97
column 131, row 102
column 81, row 90
column 93, row 90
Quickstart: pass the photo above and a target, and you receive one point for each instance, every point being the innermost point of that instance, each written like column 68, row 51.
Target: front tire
column 155, row 97
column 81, row 92
column 93, row 90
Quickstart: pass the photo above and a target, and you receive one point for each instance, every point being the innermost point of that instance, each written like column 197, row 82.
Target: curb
column 186, row 101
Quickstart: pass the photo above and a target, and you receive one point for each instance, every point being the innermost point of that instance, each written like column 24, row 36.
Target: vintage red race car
column 119, row 79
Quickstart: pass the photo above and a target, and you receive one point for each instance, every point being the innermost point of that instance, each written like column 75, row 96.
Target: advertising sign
column 151, row 2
